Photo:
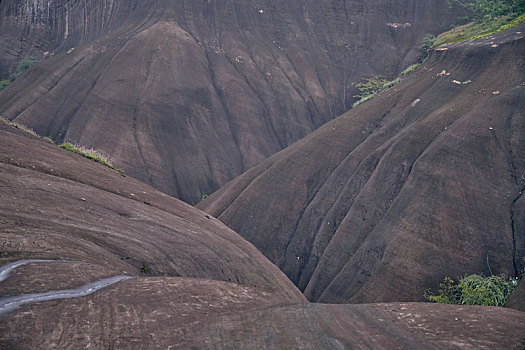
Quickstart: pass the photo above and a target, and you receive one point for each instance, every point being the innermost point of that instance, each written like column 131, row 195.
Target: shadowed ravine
column 200, row 91
column 423, row 181
column 330, row 243
column 57, row 204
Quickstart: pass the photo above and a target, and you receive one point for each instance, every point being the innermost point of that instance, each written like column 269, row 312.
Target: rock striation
column 57, row 205
column 70, row 227
column 422, row 182
column 186, row 95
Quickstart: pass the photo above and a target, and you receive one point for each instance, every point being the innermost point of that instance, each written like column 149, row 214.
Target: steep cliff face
column 35, row 27
column 422, row 182
column 185, row 95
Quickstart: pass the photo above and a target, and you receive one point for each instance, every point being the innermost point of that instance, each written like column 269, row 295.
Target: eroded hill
column 59, row 205
column 422, row 182
column 186, row 95
column 82, row 221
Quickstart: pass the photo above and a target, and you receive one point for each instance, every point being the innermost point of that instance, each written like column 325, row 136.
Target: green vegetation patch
column 426, row 44
column 369, row 87
column 410, row 69
column 22, row 66
column 19, row 126
column 474, row 290
column 488, row 17
column 144, row 269
column 89, row 153
column 4, row 83
column 475, row 30
column 486, row 10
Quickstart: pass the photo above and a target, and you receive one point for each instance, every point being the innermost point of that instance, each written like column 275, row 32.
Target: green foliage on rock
column 410, row 69
column 478, row 290
column 19, row 126
column 487, row 10
column 144, row 269
column 88, row 153
column 369, row 87
column 426, row 44
column 488, row 17
column 473, row 290
column 4, row 83
column 22, row 66
column 448, row 293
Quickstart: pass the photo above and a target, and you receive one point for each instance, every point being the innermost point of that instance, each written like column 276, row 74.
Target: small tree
column 478, row 290
column 448, row 293
column 483, row 10
column 473, row 290
column 370, row 86
column 22, row 66
column 426, row 44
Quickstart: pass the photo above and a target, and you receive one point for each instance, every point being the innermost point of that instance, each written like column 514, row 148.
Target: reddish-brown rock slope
column 58, row 205
column 422, row 182
column 186, row 95
column 181, row 313
column 517, row 298
column 90, row 223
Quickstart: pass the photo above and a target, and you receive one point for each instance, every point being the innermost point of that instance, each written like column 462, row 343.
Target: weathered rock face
column 185, row 95
column 184, row 313
column 35, row 27
column 195, row 283
column 424, row 181
column 57, row 204
column 517, row 298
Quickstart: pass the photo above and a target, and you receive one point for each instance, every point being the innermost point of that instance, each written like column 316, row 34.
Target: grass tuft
column 19, row 126
column 370, row 87
column 410, row 69
column 23, row 65
column 4, row 83
column 88, row 153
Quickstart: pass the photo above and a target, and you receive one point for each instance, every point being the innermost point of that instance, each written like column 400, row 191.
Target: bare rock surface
column 186, row 95
column 147, row 313
column 85, row 223
column 44, row 277
column 58, row 205
column 517, row 298
column 423, row 181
